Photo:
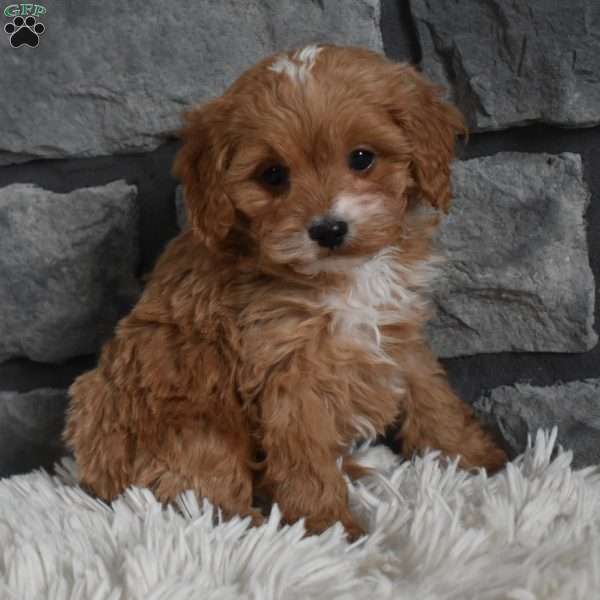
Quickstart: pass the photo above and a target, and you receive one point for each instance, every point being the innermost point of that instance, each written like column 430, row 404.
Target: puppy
column 287, row 321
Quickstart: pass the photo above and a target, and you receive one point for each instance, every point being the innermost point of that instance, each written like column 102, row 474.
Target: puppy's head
column 317, row 155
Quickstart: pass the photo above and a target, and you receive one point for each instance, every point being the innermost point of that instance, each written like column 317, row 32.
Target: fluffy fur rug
column 532, row 531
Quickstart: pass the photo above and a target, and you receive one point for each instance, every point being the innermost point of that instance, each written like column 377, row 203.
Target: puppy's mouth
column 305, row 255
column 334, row 260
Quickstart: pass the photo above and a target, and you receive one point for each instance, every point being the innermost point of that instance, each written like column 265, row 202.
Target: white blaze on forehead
column 298, row 66
column 356, row 208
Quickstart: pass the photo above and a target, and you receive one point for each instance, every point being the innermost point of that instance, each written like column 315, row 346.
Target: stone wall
column 87, row 201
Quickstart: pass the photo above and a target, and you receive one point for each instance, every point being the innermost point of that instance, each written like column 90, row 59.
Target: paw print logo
column 24, row 31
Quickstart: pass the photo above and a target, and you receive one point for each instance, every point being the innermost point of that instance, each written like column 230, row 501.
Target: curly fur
column 255, row 358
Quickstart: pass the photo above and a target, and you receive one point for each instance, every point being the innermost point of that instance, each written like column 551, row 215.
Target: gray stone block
column 30, row 429
column 514, row 63
column 573, row 407
column 67, row 268
column 518, row 276
column 110, row 78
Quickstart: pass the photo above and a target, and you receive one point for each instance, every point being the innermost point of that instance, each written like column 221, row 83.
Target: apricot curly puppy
column 286, row 322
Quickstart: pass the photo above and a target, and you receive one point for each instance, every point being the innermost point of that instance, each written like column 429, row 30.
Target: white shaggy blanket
column 530, row 532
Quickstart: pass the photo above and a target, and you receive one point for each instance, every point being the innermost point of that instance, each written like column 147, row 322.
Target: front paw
column 318, row 523
column 321, row 501
column 491, row 458
column 496, row 460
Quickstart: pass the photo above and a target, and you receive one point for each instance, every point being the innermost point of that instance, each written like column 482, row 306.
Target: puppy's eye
column 275, row 176
column 361, row 159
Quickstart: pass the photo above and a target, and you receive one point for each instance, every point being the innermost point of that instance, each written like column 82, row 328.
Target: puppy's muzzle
column 327, row 232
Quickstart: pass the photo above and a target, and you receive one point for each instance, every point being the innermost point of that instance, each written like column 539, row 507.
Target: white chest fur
column 382, row 292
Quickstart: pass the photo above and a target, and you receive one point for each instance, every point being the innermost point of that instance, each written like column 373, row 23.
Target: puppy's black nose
column 328, row 233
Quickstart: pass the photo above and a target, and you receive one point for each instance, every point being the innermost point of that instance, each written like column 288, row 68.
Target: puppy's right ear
column 200, row 165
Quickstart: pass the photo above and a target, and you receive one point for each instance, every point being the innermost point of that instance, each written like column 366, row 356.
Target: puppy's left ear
column 431, row 125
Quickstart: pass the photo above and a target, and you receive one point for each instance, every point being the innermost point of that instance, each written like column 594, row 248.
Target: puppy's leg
column 214, row 464
column 101, row 441
column 302, row 447
column 434, row 416
column 119, row 442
